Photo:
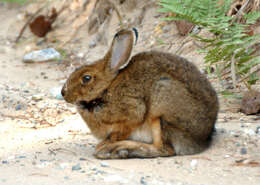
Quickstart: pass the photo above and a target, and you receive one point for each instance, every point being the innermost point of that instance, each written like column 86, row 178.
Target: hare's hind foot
column 132, row 149
column 135, row 149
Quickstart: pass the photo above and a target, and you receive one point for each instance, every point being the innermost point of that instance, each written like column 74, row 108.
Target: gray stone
column 3, row 180
column 18, row 107
column 76, row 167
column 257, row 130
column 4, row 162
column 142, row 181
column 92, row 43
column 20, row 157
column 42, row 56
column 243, row 151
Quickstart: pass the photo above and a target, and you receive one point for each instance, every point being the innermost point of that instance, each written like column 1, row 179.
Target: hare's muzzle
column 64, row 91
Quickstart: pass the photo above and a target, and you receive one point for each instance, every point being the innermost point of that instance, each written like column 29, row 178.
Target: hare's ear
column 120, row 50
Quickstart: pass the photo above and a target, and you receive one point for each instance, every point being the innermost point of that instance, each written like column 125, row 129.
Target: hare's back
column 180, row 69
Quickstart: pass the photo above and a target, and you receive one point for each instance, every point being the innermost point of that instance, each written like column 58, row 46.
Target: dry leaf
column 41, row 25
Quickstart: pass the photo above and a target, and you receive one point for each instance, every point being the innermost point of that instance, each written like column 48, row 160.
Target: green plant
column 231, row 48
column 14, row 1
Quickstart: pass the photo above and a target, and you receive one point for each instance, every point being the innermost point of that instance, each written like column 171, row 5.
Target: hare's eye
column 86, row 79
column 116, row 35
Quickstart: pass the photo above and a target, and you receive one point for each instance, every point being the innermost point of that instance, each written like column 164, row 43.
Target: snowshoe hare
column 154, row 104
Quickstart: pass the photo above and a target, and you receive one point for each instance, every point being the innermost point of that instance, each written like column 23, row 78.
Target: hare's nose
column 63, row 90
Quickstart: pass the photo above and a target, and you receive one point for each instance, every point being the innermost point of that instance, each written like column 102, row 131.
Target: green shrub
column 231, row 49
column 14, row 1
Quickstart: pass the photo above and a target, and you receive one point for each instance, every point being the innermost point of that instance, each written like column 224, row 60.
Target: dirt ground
column 44, row 141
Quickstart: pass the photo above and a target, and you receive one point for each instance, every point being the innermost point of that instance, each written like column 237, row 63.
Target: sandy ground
column 44, row 141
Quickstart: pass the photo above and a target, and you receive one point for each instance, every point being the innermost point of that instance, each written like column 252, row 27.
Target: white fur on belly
column 142, row 134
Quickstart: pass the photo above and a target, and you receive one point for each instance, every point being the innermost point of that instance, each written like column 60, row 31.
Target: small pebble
column 114, row 178
column 142, row 181
column 3, row 180
column 28, row 48
column 80, row 55
column 226, row 156
column 193, row 164
column 4, row 162
column 100, row 172
column 21, row 157
column 37, row 97
column 76, row 167
column 93, row 169
column 257, row 131
column 11, row 157
column 243, row 151
column 63, row 165
column 250, row 132
column 18, row 107
column 104, row 164
column 221, row 130
column 20, row 17
column 43, row 160
column 92, row 43
column 56, row 92
column 66, row 178
column 82, row 159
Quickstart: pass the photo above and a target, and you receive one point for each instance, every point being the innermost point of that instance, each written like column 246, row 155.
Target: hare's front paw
column 130, row 149
column 111, row 151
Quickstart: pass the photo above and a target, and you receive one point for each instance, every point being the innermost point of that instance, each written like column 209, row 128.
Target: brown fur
column 158, row 105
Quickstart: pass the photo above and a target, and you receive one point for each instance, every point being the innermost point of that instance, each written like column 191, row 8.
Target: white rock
column 63, row 81
column 104, row 164
column 28, row 48
column 56, row 92
column 80, row 55
column 226, row 156
column 250, row 132
column 114, row 178
column 193, row 164
column 20, row 17
column 64, row 165
column 42, row 55
column 11, row 157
